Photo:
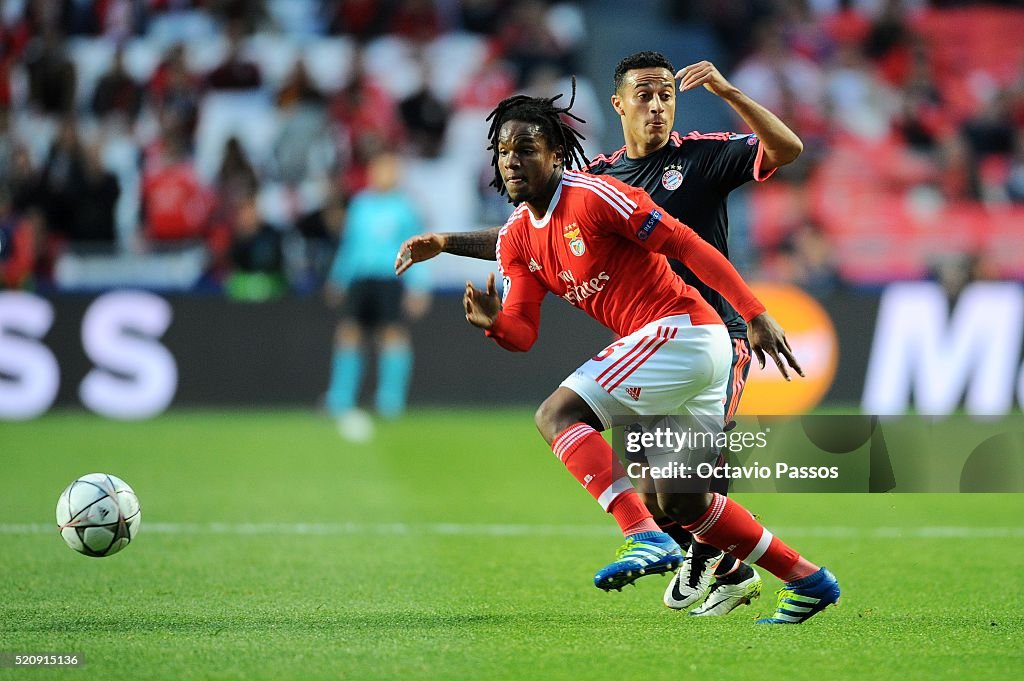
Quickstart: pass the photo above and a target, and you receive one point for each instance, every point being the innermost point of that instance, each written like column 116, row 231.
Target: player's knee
column 553, row 416
column 348, row 335
column 560, row 410
column 684, row 508
column 394, row 335
column 547, row 418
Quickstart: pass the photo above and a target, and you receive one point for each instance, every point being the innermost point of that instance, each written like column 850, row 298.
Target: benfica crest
column 576, row 245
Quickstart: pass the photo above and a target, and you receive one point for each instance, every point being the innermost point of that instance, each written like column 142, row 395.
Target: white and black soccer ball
column 98, row 515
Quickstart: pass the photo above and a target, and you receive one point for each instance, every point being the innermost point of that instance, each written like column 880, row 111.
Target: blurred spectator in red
column 492, row 82
column 176, row 204
column 847, row 24
column 14, row 37
column 889, row 43
column 368, row 120
column 361, row 19
column 22, row 230
column 416, row 20
column 5, row 82
column 24, row 258
column 117, row 93
column 425, row 116
column 51, row 75
column 235, row 72
column 15, row 34
column 175, row 92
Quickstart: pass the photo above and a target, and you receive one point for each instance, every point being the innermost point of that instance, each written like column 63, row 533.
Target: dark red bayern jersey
column 598, row 248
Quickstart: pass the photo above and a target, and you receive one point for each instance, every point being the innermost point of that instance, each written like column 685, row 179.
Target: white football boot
column 692, row 582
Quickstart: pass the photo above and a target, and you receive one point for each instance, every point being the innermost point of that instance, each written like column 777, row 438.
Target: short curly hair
column 641, row 60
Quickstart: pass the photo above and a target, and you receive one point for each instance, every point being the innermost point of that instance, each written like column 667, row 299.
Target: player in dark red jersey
column 597, row 243
column 691, row 176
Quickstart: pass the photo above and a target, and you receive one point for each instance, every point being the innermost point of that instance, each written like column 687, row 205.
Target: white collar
column 543, row 222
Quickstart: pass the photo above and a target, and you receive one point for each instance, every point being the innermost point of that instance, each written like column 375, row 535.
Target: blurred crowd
column 209, row 138
column 912, row 116
column 184, row 143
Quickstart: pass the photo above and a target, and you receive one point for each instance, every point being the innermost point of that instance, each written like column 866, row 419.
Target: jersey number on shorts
column 607, row 352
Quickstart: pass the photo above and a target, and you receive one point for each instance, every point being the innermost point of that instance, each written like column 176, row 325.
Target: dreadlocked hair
column 542, row 112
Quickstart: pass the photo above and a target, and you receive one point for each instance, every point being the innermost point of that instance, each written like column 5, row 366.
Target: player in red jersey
column 691, row 176
column 596, row 242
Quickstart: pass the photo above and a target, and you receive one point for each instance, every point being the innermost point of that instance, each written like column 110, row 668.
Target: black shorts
column 741, row 357
column 374, row 302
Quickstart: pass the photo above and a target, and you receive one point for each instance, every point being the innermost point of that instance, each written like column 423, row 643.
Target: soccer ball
column 98, row 515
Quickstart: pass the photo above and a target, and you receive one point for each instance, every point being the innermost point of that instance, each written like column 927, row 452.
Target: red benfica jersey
column 600, row 247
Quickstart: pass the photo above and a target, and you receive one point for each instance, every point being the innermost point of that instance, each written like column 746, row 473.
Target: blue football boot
column 644, row 553
column 804, row 598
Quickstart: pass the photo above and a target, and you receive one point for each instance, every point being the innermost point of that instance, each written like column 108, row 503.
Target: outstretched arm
column 704, row 260
column 479, row 244
column 780, row 144
column 513, row 326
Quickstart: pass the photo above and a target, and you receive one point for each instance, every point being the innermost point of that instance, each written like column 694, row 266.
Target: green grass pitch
column 456, row 547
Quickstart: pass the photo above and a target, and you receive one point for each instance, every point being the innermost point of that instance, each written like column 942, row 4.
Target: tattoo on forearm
column 479, row 244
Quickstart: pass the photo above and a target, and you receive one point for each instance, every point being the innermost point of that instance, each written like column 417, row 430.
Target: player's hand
column 482, row 307
column 703, row 73
column 766, row 336
column 417, row 249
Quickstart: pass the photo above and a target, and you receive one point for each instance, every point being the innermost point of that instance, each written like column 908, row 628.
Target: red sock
column 591, row 460
column 728, row 526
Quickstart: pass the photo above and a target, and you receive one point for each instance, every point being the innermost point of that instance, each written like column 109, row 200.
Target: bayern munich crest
column 671, row 179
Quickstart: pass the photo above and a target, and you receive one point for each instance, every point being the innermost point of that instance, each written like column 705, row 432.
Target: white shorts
column 667, row 367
